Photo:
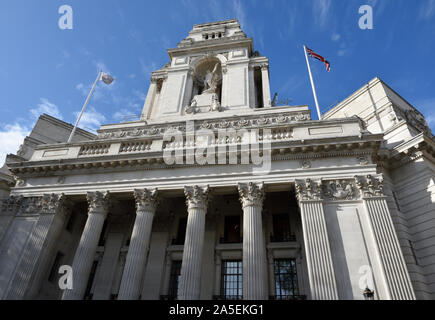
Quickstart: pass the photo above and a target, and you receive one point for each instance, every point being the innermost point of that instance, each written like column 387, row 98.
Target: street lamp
column 368, row 294
column 107, row 79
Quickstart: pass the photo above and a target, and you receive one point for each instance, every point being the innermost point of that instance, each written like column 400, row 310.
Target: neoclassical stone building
column 217, row 194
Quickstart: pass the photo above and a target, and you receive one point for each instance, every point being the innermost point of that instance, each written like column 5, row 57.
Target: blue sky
column 46, row 69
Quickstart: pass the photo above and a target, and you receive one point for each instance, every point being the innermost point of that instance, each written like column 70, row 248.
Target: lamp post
column 107, row 79
column 368, row 294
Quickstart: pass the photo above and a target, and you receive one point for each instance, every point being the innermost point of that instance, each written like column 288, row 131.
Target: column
column 395, row 273
column 146, row 202
column 317, row 249
column 254, row 255
column 40, row 245
column 54, row 212
column 98, row 205
column 190, row 280
column 266, row 86
column 9, row 208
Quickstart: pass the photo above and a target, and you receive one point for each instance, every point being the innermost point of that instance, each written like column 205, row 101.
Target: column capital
column 370, row 186
column 146, row 199
column 11, row 205
column 98, row 202
column 308, row 190
column 251, row 194
column 54, row 204
column 196, row 196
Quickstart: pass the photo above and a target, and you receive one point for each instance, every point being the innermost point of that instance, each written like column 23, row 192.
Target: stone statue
column 211, row 80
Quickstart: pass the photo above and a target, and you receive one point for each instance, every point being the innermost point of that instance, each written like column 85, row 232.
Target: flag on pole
column 312, row 54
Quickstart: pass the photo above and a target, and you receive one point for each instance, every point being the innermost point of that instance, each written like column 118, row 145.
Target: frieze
column 340, row 190
column 219, row 124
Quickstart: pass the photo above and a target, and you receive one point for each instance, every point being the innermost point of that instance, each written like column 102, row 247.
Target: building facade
column 217, row 194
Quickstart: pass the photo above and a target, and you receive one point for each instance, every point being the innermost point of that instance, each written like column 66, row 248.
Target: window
column 281, row 228
column 102, row 239
column 258, row 82
column 174, row 281
column 70, row 223
column 181, row 232
column 88, row 294
column 231, row 280
column 55, row 267
column 232, row 229
column 286, row 282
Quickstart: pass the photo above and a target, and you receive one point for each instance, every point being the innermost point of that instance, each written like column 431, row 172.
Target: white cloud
column 321, row 9
column 46, row 107
column 11, row 137
column 91, row 119
column 335, row 37
column 125, row 115
column 427, row 9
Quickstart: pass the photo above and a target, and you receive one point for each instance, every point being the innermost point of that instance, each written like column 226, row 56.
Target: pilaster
column 318, row 252
column 397, row 280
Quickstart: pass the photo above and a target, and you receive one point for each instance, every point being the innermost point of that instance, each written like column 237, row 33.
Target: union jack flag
column 312, row 54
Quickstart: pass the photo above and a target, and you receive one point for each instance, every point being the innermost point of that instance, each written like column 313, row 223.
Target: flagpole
column 312, row 84
column 84, row 107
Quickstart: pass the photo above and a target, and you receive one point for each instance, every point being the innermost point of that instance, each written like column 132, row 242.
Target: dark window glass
column 70, row 223
column 174, row 281
column 232, row 229
column 281, row 228
column 231, row 280
column 102, row 239
column 88, row 295
column 55, row 267
column 286, row 281
column 181, row 232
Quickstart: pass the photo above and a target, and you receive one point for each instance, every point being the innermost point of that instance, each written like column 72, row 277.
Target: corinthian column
column 396, row 277
column 190, row 280
column 254, row 255
column 317, row 250
column 52, row 210
column 146, row 202
column 98, row 205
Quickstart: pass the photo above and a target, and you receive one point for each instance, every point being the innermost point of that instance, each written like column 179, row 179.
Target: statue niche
column 207, row 87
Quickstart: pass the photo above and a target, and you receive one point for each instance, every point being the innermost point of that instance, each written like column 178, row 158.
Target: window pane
column 231, row 280
column 286, row 286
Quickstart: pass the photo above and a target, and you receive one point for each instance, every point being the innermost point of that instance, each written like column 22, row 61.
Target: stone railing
column 136, row 146
column 94, row 149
